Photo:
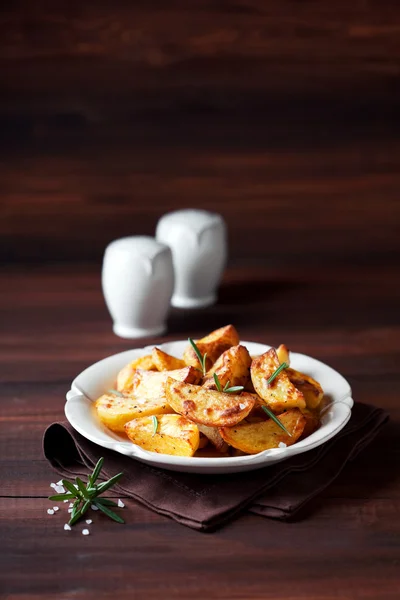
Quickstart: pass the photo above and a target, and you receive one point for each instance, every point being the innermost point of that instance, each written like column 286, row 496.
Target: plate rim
column 163, row 460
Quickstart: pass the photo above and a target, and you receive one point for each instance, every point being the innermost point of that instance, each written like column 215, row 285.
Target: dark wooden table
column 347, row 543
column 282, row 116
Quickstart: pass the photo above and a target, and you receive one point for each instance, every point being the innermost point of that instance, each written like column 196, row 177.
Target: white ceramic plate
column 101, row 376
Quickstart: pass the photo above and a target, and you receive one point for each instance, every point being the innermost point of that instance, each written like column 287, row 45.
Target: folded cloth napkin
column 205, row 502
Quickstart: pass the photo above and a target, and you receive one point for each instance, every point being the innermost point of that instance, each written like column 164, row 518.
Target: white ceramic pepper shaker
column 199, row 250
column 138, row 281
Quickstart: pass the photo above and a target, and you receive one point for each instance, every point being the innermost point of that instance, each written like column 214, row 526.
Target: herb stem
column 275, row 419
column 276, row 373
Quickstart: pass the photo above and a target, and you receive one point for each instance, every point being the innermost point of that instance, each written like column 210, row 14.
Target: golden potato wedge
column 312, row 422
column 114, row 411
column 207, row 406
column 151, row 384
column 175, row 435
column 233, row 367
column 280, row 394
column 212, row 434
column 283, row 354
column 311, row 389
column 213, row 344
column 166, row 362
column 124, row 377
column 257, row 437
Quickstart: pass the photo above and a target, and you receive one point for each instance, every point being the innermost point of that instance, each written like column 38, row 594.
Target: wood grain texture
column 55, row 323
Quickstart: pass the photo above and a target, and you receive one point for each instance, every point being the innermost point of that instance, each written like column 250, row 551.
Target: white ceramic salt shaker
column 199, row 250
column 138, row 281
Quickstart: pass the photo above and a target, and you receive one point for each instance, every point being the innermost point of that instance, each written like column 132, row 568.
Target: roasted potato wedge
column 283, row 354
column 311, row 389
column 124, row 377
column 207, row 406
column 166, row 362
column 114, row 411
column 232, row 366
column 280, row 394
column 213, row 344
column 214, row 436
column 312, row 422
column 151, row 384
column 257, row 437
column 175, row 435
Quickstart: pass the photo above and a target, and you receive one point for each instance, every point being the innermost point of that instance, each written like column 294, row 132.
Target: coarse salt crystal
column 282, row 445
column 89, row 521
column 60, row 482
column 70, row 510
column 85, row 531
column 53, row 485
column 67, row 527
column 65, row 501
column 94, row 507
column 50, row 511
column 60, row 489
column 55, row 508
column 71, row 504
column 121, row 504
column 75, row 485
column 242, row 406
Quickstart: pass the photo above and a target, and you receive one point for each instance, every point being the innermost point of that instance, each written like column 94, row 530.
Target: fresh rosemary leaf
column 217, row 383
column 107, row 484
column 58, row 497
column 233, row 390
column 71, row 488
column 96, row 471
column 275, row 419
column 155, row 424
column 86, row 495
column 106, row 502
column 109, row 513
column 82, row 487
column 276, row 373
column 75, row 515
column 201, row 359
column 116, row 392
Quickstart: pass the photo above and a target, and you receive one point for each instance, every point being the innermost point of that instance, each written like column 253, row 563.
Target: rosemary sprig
column 202, row 359
column 228, row 390
column 86, row 495
column 275, row 419
column 155, row 424
column 276, row 373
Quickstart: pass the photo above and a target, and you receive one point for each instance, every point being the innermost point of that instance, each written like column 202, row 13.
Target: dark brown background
column 283, row 116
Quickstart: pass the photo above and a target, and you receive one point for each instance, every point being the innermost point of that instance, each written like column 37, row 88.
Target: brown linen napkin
column 205, row 502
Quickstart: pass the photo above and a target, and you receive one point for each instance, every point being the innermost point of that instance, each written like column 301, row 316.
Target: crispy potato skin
column 253, row 438
column 213, row 344
column 125, row 376
column 166, row 362
column 311, row 389
column 281, row 394
column 232, row 366
column 283, row 354
column 151, row 384
column 212, row 434
column 207, row 406
column 114, row 411
column 175, row 435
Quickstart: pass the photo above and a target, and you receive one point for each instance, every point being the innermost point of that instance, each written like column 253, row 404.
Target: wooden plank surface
column 283, row 117
column 346, row 545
